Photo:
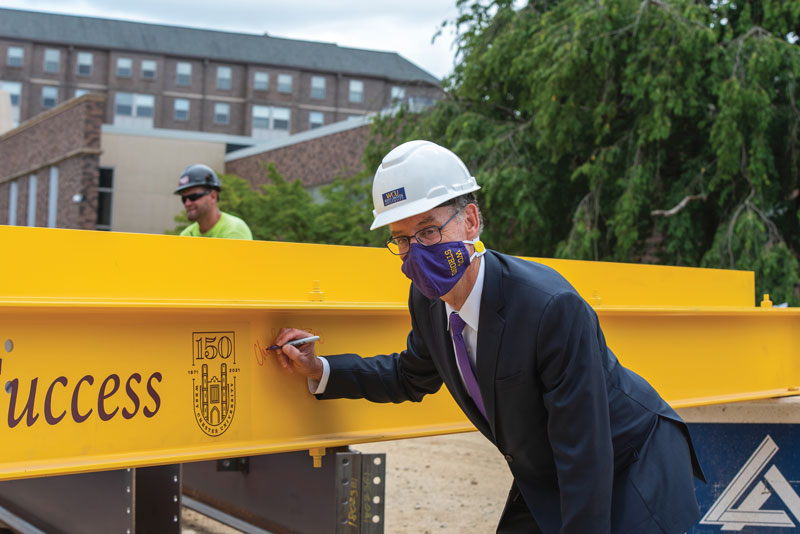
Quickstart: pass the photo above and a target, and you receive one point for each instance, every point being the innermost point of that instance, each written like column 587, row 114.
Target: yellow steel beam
column 112, row 345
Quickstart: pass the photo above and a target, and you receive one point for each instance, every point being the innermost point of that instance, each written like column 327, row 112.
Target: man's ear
column 472, row 221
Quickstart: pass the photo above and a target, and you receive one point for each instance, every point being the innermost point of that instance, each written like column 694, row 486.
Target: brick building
column 157, row 76
column 65, row 168
column 50, row 167
column 314, row 157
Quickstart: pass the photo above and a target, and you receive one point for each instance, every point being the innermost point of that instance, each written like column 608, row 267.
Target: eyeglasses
column 430, row 235
column 194, row 196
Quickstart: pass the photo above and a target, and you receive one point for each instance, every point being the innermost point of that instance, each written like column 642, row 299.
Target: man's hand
column 301, row 359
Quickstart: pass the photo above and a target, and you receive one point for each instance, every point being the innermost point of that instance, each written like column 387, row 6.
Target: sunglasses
column 194, row 196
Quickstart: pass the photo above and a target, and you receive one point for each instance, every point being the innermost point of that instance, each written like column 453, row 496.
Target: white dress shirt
column 470, row 312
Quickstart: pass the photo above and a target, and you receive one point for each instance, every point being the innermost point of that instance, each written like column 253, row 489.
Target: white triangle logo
column 749, row 512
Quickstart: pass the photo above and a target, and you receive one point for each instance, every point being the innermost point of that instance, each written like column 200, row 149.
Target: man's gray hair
column 461, row 202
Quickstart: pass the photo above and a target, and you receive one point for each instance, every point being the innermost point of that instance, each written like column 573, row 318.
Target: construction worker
column 591, row 445
column 199, row 189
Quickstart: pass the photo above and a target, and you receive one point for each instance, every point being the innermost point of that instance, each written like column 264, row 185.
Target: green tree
column 345, row 215
column 660, row 131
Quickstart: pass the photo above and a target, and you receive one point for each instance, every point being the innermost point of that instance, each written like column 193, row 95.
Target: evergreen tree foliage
column 661, row 131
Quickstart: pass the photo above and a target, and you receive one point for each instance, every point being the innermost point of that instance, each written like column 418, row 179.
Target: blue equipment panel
column 753, row 474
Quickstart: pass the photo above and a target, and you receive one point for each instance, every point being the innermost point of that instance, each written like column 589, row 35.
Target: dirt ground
column 442, row 484
column 438, row 485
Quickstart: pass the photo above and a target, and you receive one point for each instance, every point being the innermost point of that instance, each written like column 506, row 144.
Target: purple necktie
column 456, row 326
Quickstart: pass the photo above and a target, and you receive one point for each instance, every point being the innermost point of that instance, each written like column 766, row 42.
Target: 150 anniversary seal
column 214, row 373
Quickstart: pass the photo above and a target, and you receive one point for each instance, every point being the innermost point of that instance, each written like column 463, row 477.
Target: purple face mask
column 436, row 269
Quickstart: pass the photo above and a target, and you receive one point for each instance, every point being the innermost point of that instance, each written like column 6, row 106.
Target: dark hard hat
column 195, row 175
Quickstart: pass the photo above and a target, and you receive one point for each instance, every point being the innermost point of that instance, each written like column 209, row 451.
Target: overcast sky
column 402, row 26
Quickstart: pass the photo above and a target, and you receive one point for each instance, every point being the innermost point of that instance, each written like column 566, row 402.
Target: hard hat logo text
column 396, row 195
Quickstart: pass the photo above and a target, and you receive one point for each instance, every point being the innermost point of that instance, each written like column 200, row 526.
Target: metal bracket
column 234, row 464
column 360, row 491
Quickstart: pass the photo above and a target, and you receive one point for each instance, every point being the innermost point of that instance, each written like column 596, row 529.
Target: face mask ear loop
column 480, row 249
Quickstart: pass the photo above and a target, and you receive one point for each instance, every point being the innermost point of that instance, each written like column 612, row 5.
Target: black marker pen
column 295, row 342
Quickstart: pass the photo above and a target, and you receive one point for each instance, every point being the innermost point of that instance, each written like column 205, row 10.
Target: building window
column 134, row 111
column 124, row 67
column 15, row 90
column 52, row 198
column 316, row 119
column 15, row 56
column 144, row 106
column 148, row 69
column 317, row 87
column 223, row 78
column 12, row 203
column 81, row 92
column 85, row 61
column 260, row 117
column 49, row 96
column 181, row 109
column 52, row 60
column 261, row 81
column 270, row 121
column 105, row 191
column 398, row 93
column 356, row 91
column 280, row 118
column 132, row 105
column 183, row 74
column 31, row 200
column 123, row 104
column 284, row 83
column 222, row 112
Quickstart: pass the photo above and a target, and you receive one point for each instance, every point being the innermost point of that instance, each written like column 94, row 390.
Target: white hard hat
column 416, row 177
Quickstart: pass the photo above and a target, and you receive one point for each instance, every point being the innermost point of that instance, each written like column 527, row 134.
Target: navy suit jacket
column 591, row 445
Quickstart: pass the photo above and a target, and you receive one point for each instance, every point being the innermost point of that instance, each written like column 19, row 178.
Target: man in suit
column 591, row 445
